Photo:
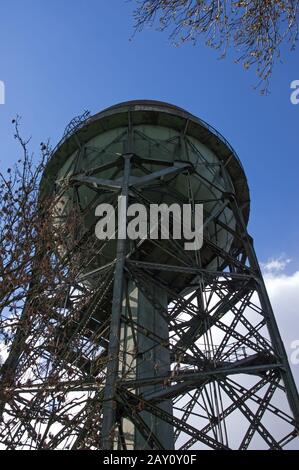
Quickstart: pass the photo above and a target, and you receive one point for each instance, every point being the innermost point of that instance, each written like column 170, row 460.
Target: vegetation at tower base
column 138, row 344
column 256, row 30
column 34, row 282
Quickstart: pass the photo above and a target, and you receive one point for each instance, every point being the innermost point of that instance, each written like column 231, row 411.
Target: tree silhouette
column 256, row 29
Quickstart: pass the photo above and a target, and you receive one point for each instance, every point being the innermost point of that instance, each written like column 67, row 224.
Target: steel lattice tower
column 176, row 349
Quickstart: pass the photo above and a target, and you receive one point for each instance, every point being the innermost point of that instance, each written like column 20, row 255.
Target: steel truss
column 230, row 384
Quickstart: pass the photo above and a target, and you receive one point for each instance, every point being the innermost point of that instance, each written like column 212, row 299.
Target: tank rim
column 232, row 161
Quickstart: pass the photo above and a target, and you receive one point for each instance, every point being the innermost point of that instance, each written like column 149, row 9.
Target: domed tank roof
column 154, row 113
column 163, row 104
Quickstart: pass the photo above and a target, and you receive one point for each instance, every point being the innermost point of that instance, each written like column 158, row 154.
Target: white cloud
column 276, row 265
column 283, row 290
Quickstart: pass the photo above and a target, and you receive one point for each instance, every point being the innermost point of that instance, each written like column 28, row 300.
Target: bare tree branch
column 256, row 29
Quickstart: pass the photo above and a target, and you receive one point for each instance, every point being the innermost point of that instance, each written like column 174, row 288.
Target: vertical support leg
column 286, row 373
column 109, row 404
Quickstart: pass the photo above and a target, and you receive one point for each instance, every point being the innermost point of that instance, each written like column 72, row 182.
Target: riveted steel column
column 109, row 404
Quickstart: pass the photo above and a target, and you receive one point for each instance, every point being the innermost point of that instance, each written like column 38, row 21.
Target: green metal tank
column 193, row 164
column 160, row 135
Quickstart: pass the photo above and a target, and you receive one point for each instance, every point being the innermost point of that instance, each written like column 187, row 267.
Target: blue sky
column 58, row 58
column 61, row 57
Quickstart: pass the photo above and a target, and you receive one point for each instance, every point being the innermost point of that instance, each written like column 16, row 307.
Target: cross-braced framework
column 159, row 347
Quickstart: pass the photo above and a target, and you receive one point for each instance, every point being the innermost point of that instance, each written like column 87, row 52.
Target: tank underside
column 150, row 346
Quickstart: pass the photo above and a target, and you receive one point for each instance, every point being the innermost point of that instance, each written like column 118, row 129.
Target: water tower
column 194, row 358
